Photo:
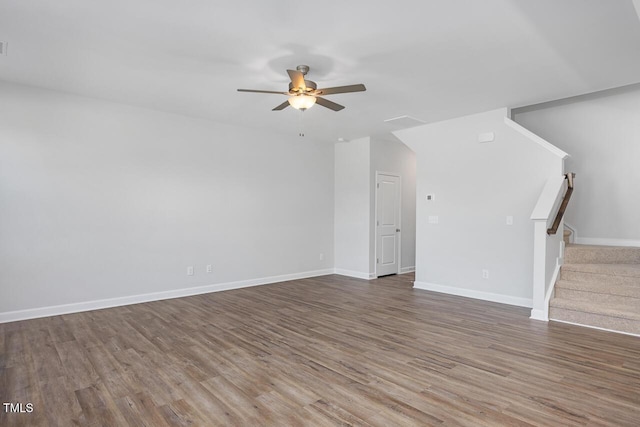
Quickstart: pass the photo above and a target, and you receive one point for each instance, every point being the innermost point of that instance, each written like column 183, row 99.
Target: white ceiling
column 432, row 60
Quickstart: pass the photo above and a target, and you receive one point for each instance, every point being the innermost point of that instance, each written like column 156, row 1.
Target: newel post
column 539, row 310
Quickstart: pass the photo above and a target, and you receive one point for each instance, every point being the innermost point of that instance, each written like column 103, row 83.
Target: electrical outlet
column 433, row 219
column 209, row 268
column 509, row 220
column 485, row 274
column 321, row 257
column 190, row 270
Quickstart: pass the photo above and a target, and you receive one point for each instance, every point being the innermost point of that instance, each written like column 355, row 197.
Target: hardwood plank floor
column 323, row 351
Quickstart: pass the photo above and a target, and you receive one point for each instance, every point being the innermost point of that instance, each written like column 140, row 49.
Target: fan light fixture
column 302, row 102
column 302, row 94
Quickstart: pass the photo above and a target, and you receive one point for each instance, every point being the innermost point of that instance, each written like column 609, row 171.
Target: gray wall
column 476, row 186
column 395, row 157
column 101, row 200
column 356, row 163
column 352, row 208
column 601, row 132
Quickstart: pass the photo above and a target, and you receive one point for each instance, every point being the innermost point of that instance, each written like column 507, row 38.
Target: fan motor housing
column 311, row 86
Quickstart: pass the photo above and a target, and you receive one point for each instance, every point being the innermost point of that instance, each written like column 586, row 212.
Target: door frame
column 375, row 220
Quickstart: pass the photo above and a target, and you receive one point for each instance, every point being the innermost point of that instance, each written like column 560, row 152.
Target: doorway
column 388, row 213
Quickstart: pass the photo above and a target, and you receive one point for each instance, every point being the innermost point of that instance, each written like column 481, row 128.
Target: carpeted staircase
column 599, row 286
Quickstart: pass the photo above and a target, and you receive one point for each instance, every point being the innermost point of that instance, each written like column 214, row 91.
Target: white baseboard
column 34, row 313
column 606, row 242
column 368, row 276
column 539, row 315
column 355, row 274
column 470, row 293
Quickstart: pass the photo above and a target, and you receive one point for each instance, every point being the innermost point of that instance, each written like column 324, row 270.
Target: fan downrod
column 304, row 69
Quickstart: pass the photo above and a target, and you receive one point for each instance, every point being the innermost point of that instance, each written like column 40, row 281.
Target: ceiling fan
column 304, row 93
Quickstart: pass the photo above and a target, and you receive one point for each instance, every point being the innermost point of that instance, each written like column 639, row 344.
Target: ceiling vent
column 404, row 122
column 3, row 48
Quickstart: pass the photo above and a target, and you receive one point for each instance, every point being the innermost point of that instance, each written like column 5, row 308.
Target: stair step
column 596, row 308
column 594, row 254
column 597, row 315
column 597, row 295
column 599, row 286
column 595, row 320
column 604, row 286
column 612, row 274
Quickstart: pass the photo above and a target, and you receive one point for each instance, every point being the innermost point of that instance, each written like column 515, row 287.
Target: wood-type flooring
column 322, row 351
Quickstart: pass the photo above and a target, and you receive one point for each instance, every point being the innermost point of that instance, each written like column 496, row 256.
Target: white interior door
column 387, row 224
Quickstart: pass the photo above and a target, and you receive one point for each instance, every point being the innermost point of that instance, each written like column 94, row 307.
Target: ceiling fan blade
column 297, row 78
column 341, row 89
column 262, row 91
column 329, row 104
column 282, row 106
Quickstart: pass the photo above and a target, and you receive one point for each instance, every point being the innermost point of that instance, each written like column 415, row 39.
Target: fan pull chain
column 301, row 124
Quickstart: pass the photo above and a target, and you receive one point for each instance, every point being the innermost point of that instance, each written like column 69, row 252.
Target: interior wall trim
column 355, row 274
column 470, row 293
column 34, row 313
